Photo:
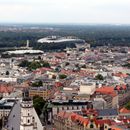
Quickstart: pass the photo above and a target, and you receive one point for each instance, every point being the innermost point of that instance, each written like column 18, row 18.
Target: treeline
column 95, row 35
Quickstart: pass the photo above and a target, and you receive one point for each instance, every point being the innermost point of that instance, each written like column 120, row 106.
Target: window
column 28, row 121
column 91, row 126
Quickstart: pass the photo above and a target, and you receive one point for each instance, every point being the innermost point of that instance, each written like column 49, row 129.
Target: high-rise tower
column 26, row 122
column 27, row 44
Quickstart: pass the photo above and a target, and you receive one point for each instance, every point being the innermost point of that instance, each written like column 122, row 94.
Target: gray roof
column 108, row 112
column 14, row 118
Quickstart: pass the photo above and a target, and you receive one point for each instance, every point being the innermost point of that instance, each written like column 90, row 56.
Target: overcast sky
column 65, row 11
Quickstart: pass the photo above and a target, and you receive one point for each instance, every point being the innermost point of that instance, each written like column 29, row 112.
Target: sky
column 65, row 11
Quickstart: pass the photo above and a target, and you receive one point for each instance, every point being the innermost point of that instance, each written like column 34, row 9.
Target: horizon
column 72, row 24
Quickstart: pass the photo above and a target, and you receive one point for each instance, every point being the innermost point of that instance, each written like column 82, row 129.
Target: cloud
column 14, row 12
column 62, row 11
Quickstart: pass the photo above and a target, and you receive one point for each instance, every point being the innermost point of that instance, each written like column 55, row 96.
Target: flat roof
column 55, row 39
column 24, row 52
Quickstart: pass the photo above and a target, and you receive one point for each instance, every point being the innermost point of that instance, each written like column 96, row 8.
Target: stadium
column 58, row 39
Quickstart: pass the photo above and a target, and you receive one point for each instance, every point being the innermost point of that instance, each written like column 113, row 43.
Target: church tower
column 26, row 122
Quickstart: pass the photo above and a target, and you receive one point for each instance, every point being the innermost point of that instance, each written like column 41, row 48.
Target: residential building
column 61, row 105
column 44, row 92
column 109, row 95
column 82, row 120
column 5, row 107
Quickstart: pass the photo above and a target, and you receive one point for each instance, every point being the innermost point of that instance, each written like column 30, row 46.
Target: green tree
column 38, row 104
column 24, row 63
column 99, row 77
column 127, row 106
column 37, row 84
column 127, row 65
column 62, row 76
column 39, row 58
column 45, row 64
column 67, row 63
column 83, row 66
column 34, row 65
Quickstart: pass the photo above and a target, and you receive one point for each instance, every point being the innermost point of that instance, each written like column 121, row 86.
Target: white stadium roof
column 55, row 39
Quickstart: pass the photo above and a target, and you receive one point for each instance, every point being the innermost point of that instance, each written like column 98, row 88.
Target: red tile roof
column 121, row 75
column 85, row 121
column 121, row 87
column 6, row 89
column 124, row 110
column 107, row 90
column 58, row 84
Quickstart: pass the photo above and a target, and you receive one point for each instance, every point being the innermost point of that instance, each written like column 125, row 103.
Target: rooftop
column 24, row 52
column 108, row 90
column 58, row 39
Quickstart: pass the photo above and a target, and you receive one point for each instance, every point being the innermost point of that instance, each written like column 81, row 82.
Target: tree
column 39, row 58
column 46, row 64
column 38, row 104
column 37, row 84
column 34, row 65
column 99, row 77
column 62, row 76
column 67, row 63
column 127, row 65
column 83, row 66
column 24, row 63
column 127, row 106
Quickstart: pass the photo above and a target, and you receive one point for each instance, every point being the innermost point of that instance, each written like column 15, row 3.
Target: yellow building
column 43, row 92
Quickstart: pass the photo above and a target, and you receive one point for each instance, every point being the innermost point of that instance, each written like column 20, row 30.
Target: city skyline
column 65, row 11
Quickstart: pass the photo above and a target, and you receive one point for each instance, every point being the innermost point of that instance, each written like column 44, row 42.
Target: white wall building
column 87, row 88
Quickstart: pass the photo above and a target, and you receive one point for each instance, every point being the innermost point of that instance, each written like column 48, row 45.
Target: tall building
column 23, row 116
column 27, row 118
column 27, row 44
